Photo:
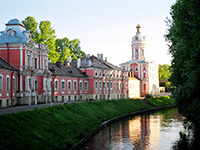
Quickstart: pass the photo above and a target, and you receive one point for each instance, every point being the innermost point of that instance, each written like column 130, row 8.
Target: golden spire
column 138, row 26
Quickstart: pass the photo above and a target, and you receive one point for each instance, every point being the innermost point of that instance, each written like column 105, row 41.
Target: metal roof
column 5, row 65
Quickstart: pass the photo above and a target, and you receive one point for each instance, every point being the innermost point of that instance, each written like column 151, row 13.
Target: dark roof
column 96, row 63
column 5, row 65
column 68, row 71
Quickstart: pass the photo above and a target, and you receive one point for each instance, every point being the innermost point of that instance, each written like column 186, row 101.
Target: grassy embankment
column 62, row 127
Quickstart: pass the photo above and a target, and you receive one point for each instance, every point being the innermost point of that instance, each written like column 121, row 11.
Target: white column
column 21, row 58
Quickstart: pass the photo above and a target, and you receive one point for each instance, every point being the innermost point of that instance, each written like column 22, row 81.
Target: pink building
column 142, row 68
column 27, row 78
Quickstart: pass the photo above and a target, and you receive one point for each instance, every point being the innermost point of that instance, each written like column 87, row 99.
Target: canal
column 153, row 131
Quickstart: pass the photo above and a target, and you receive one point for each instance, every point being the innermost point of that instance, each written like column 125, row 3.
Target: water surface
column 156, row 131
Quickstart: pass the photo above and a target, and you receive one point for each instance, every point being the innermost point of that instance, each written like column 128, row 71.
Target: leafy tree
column 66, row 48
column 76, row 49
column 31, row 24
column 44, row 34
column 164, row 71
column 183, row 38
column 62, row 47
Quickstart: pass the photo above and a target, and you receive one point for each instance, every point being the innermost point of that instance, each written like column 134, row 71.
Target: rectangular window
column 111, row 85
column 28, row 60
column 96, row 85
column 63, row 85
column 117, row 86
column 75, row 98
column 107, row 85
column 36, row 85
column 56, row 85
column 86, row 85
column 69, row 85
column 81, row 86
column 13, row 84
column 7, row 83
column 100, row 85
column 104, row 85
column 29, row 82
column 1, row 83
column 63, row 97
column 75, row 85
column 35, row 63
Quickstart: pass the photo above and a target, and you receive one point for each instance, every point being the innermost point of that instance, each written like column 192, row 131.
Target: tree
column 183, row 38
column 62, row 47
column 164, row 71
column 76, row 49
column 44, row 34
column 66, row 48
column 31, row 24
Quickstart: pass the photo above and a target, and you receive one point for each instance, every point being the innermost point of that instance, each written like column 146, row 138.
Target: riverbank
column 62, row 127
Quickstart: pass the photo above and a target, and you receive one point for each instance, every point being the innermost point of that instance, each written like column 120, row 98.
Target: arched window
column 136, row 52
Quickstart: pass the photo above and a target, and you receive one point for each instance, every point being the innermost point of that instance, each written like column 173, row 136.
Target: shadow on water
column 189, row 139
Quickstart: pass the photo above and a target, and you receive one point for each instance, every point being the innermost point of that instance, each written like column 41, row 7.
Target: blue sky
column 104, row 26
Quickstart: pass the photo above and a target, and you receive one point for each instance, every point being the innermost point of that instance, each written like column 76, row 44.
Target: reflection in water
column 147, row 132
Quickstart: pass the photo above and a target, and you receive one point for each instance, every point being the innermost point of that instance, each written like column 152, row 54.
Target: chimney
column 98, row 56
column 78, row 63
column 101, row 57
column 105, row 59
column 65, row 63
column 89, row 63
column 69, row 59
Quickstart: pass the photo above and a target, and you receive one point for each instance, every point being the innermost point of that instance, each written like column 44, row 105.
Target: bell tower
column 138, row 45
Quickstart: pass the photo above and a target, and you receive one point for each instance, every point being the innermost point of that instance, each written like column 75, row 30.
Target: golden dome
column 138, row 26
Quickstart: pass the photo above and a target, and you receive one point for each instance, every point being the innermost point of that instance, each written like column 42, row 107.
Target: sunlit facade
column 141, row 67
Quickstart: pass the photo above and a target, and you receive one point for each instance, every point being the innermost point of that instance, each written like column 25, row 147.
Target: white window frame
column 7, row 85
column 75, row 83
column 100, row 74
column 100, row 85
column 56, row 88
column 86, row 85
column 96, row 73
column 80, row 85
column 108, row 85
column 62, row 88
column 13, row 83
column 96, row 85
column 69, row 85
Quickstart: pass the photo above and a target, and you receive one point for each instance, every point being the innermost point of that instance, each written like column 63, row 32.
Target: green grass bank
column 63, row 126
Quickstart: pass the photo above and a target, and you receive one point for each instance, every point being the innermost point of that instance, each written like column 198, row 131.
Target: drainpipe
column 8, row 53
column 11, row 91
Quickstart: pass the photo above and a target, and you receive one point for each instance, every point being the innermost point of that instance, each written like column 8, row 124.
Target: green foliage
column 164, row 71
column 31, row 24
column 45, row 34
column 66, row 48
column 59, row 49
column 161, row 101
column 60, row 127
column 183, row 37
